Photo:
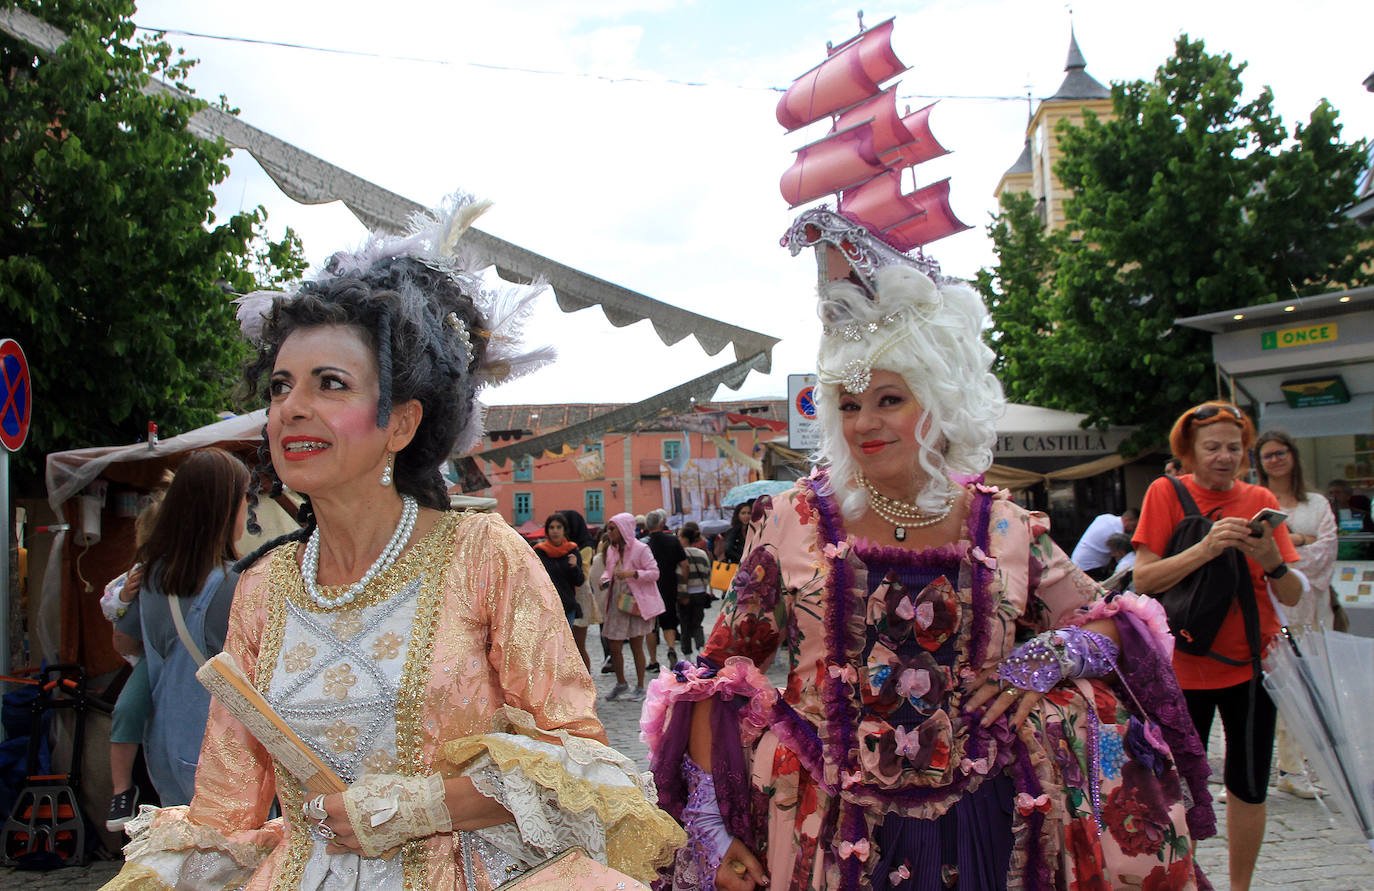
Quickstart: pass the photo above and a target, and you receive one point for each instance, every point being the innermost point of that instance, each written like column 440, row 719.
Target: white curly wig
column 933, row 338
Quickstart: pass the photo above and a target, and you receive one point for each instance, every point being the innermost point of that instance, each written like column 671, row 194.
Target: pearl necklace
column 903, row 515
column 310, row 565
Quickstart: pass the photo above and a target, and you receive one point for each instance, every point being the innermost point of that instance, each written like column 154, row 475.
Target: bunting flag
column 590, row 466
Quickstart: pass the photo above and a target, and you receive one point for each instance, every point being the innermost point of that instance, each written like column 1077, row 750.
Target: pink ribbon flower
column 900, row 874
column 980, row 766
column 845, row 673
column 835, row 551
column 908, row 744
column 905, row 611
column 854, row 849
column 913, row 682
column 978, row 554
column 1025, row 804
column 925, row 614
column 849, row 778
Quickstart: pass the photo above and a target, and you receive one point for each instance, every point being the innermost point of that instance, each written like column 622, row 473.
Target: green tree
column 1018, row 290
column 1189, row 201
column 113, row 271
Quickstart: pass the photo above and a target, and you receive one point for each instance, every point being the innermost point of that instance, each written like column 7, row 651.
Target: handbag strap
column 174, row 603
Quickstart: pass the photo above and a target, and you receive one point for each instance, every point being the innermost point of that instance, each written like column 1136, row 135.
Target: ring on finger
column 314, row 809
column 1013, row 692
column 325, row 832
column 738, row 867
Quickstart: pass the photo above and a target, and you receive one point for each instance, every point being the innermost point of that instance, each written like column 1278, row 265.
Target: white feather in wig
column 435, row 240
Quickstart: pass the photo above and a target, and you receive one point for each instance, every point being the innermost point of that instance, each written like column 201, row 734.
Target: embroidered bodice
column 337, row 676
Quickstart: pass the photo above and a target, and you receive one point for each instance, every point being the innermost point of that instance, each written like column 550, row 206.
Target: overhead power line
column 516, row 69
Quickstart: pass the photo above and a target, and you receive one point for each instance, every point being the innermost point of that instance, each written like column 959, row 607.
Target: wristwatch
column 1277, row 572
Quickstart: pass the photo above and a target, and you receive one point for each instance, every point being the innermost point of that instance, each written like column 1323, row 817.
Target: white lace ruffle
column 542, row 828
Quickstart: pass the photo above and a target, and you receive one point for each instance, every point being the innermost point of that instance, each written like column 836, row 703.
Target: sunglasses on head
column 1207, row 412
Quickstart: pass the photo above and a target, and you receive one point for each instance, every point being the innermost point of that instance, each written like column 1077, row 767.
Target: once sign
column 1307, row 335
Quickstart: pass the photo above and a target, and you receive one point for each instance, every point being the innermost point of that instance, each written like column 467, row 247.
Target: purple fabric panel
column 974, row 836
column 727, row 769
column 1150, row 679
column 666, row 761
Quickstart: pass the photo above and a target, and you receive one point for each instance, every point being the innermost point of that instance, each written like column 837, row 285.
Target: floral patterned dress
column 866, row 771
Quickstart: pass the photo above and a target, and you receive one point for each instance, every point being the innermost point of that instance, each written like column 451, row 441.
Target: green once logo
column 1269, row 340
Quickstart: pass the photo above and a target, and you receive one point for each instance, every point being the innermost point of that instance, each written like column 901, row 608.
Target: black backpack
column 1198, row 604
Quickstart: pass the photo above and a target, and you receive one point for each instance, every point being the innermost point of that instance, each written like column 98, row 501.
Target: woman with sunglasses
column 1213, row 442
column 1312, row 527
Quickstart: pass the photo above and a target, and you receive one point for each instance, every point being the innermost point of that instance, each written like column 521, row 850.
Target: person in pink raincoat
column 630, row 570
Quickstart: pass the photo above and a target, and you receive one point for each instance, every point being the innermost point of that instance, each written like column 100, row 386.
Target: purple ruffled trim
column 1038, row 873
column 1149, row 679
column 797, row 734
column 979, row 512
column 872, row 552
column 842, row 720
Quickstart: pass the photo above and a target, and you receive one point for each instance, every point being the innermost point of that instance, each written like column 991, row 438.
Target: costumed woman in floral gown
column 964, row 707
column 420, row 652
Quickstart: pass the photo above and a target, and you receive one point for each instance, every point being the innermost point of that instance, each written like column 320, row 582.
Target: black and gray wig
column 437, row 333
column 426, row 335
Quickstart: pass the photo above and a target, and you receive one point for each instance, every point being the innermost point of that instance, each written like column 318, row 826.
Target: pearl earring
column 386, row 473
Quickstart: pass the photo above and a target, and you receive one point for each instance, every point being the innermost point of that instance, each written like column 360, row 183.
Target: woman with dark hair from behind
column 1312, row 528
column 187, row 558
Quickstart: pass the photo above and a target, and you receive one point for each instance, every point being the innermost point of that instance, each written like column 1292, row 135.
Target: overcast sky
column 636, row 139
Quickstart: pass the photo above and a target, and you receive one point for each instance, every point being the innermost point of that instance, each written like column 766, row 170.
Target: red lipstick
column 302, row 454
column 873, row 446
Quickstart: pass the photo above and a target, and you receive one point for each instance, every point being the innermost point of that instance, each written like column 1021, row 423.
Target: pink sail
column 937, row 221
column 851, row 74
column 923, row 145
column 900, row 142
column 837, row 162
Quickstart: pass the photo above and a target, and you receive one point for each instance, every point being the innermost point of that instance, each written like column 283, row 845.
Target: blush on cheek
column 354, row 420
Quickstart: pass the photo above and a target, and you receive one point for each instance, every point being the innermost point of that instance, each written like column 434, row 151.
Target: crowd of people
column 966, row 705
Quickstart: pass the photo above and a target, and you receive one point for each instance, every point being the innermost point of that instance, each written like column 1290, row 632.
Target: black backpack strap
column 1185, row 498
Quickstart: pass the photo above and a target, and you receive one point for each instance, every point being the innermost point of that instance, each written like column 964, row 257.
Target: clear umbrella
column 1323, row 683
column 750, row 491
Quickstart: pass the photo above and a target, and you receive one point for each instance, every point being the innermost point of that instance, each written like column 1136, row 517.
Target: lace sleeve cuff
column 565, row 791
column 168, row 850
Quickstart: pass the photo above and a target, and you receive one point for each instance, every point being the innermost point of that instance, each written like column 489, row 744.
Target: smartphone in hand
column 1275, row 519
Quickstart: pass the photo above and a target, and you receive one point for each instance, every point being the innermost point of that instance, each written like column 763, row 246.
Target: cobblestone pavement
column 1302, row 850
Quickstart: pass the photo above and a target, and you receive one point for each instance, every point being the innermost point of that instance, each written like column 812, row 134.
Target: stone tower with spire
column 1034, row 171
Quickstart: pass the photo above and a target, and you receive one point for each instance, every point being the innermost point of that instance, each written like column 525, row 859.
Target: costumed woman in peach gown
column 964, row 707
column 422, row 653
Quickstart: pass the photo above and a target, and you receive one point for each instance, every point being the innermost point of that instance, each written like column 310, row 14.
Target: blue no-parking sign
column 16, row 394
column 803, row 431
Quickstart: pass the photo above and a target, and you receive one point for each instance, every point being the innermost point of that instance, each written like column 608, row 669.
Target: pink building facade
column 623, row 471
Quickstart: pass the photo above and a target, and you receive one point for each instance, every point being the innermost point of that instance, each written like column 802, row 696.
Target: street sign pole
column 16, row 406
column 5, row 577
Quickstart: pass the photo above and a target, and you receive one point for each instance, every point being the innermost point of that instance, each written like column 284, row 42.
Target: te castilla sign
column 1052, row 443
column 1306, row 335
